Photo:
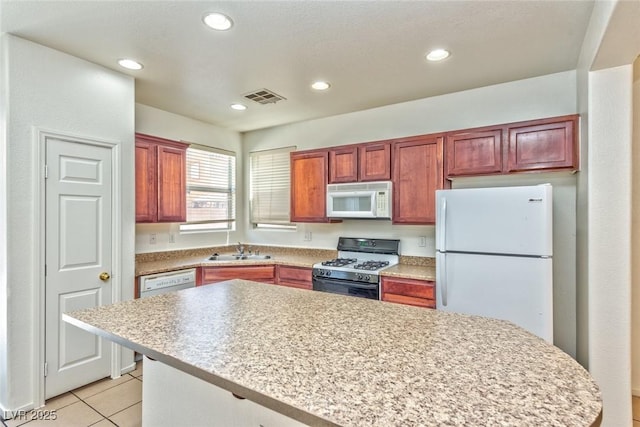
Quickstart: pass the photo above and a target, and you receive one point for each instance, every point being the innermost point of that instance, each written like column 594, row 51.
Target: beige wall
column 46, row 89
column 635, row 236
column 546, row 96
column 164, row 124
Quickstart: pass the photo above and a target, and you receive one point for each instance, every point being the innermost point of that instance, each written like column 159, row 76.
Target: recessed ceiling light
column 239, row 107
column 320, row 85
column 130, row 64
column 438, row 55
column 217, row 21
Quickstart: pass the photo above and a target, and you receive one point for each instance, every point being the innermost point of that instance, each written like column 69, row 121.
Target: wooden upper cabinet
column 160, row 180
column 343, row 164
column 535, row 145
column 417, row 174
column 474, row 152
column 374, row 161
column 544, row 144
column 362, row 162
column 172, row 184
column 309, row 176
column 146, row 181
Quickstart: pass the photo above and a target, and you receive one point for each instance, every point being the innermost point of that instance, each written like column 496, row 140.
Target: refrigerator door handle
column 443, row 225
column 441, row 276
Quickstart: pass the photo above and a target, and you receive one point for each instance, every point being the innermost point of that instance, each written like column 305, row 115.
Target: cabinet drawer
column 258, row 273
column 403, row 299
column 409, row 287
column 297, row 277
column 420, row 293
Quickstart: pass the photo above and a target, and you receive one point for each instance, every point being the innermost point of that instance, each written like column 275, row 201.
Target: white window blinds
column 211, row 189
column 270, row 187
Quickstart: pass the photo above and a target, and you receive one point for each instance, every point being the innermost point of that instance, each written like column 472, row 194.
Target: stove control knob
column 367, row 278
column 328, row 273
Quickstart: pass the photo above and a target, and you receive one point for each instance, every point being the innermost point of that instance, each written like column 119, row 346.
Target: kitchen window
column 270, row 183
column 211, row 189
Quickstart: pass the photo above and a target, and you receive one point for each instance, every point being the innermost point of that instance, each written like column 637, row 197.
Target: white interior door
column 78, row 250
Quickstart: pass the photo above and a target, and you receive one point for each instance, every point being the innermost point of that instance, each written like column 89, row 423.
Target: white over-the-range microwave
column 359, row 200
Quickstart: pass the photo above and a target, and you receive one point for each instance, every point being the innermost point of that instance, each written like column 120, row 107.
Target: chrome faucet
column 240, row 248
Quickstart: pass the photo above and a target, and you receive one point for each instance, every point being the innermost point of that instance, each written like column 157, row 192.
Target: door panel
column 75, row 250
column 86, row 348
column 78, row 249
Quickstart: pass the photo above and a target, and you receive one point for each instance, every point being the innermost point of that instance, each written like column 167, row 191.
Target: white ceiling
column 372, row 52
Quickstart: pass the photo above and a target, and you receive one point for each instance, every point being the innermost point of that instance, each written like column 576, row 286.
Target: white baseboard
column 128, row 368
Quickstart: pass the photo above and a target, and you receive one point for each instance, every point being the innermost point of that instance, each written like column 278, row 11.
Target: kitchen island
column 326, row 359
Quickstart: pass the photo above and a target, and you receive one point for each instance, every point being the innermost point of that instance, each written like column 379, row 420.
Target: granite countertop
column 328, row 359
column 420, row 272
column 161, row 262
column 410, row 267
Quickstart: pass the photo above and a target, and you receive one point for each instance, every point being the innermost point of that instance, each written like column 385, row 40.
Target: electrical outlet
column 422, row 242
column 172, row 237
column 152, row 239
column 307, row 236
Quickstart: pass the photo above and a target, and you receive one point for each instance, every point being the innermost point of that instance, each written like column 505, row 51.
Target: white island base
column 172, row 398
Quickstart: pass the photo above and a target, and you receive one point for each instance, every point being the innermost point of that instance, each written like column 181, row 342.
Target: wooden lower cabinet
column 295, row 277
column 421, row 293
column 257, row 273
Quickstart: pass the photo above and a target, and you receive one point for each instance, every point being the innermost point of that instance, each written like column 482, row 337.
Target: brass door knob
column 104, row 276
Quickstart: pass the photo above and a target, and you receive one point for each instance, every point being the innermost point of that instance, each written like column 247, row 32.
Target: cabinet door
column 146, row 182
column 343, row 164
column 474, row 153
column 296, row 277
column 417, row 174
column 375, row 162
column 420, row 293
column 257, row 273
column 172, row 185
column 543, row 144
column 309, row 176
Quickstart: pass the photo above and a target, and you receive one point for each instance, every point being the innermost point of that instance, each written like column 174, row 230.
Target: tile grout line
column 130, row 406
column 105, row 417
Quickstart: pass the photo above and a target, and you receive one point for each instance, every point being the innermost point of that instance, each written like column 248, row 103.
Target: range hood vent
column 264, row 96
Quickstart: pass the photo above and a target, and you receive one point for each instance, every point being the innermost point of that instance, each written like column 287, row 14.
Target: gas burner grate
column 371, row 265
column 339, row 262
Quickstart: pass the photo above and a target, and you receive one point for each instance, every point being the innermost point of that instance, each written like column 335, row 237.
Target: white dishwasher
column 160, row 283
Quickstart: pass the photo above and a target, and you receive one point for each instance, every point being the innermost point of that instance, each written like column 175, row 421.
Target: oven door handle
column 346, row 283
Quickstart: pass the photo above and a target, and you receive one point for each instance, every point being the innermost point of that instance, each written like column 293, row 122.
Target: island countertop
column 328, row 359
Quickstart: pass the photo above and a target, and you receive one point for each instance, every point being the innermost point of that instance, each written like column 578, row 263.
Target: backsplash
column 266, row 250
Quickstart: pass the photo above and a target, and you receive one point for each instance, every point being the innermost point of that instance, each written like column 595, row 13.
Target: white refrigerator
column 494, row 254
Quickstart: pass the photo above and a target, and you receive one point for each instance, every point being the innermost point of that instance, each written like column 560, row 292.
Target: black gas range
column 356, row 270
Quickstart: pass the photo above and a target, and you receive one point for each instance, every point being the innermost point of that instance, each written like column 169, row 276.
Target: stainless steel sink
column 237, row 257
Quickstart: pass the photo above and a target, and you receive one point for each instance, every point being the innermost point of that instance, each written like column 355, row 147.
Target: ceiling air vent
column 264, row 96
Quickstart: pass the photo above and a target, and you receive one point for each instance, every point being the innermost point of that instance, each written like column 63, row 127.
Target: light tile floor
column 104, row 403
